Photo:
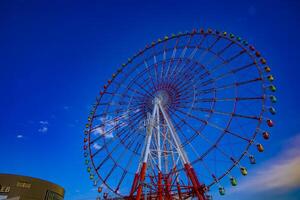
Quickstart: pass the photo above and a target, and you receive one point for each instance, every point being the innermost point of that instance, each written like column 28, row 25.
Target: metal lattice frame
column 198, row 99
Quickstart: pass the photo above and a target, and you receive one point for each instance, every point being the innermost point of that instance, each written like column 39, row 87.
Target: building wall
column 27, row 188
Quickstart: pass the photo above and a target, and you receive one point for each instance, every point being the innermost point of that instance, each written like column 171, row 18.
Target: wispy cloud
column 43, row 126
column 43, row 129
column 20, row 136
column 101, row 131
column 96, row 146
column 44, row 122
column 278, row 176
column 109, row 124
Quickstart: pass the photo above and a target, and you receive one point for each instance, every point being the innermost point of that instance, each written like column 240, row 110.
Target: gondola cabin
column 270, row 123
column 244, row 171
column 252, row 159
column 233, row 181
column 260, row 147
column 272, row 110
column 222, row 191
column 266, row 135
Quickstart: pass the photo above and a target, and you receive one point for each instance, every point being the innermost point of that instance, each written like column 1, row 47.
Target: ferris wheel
column 178, row 118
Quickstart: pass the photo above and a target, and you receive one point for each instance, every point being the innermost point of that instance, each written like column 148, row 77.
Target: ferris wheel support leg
column 188, row 168
column 146, row 154
column 168, row 189
column 141, row 180
column 195, row 176
column 159, row 185
column 134, row 184
column 197, row 187
column 179, row 190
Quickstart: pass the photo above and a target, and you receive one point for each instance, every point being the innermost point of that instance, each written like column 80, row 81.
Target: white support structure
column 153, row 129
column 149, row 134
column 158, row 139
column 174, row 135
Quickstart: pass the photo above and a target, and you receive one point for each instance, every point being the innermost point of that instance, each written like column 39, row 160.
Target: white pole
column 174, row 135
column 149, row 134
column 158, row 139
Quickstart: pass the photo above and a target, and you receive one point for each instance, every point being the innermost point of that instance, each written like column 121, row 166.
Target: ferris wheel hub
column 163, row 97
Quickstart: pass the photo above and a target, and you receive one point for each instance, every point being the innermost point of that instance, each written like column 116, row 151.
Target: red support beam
column 167, row 188
column 159, row 185
column 194, row 174
column 179, row 190
column 141, row 180
column 196, row 185
column 134, row 184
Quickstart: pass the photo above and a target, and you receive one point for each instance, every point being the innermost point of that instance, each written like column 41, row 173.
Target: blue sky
column 55, row 56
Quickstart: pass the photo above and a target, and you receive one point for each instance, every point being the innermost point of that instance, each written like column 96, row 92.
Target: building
column 15, row 187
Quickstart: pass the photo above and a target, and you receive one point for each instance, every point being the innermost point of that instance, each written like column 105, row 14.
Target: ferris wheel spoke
column 236, row 56
column 109, row 154
column 125, row 171
column 191, row 127
column 227, row 86
column 117, row 135
column 145, row 82
column 149, row 75
column 141, row 87
column 185, row 71
column 184, row 86
column 102, row 133
column 115, row 165
column 196, row 48
column 113, row 128
column 110, row 172
column 224, row 130
column 212, row 143
column 129, row 88
column 188, row 61
column 117, row 111
column 228, row 99
column 230, row 160
column 163, row 67
column 225, row 48
column 124, row 95
column 210, row 173
column 140, row 95
column 155, row 65
column 207, row 110
column 127, row 96
column 172, row 60
column 121, row 180
column 229, row 73
column 117, row 118
column 185, row 103
column 181, row 56
column 239, row 136
column 181, row 84
column 164, row 55
column 213, row 80
column 233, row 134
column 183, row 75
column 226, row 61
column 106, row 144
column 201, row 41
column 214, row 43
column 179, row 127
